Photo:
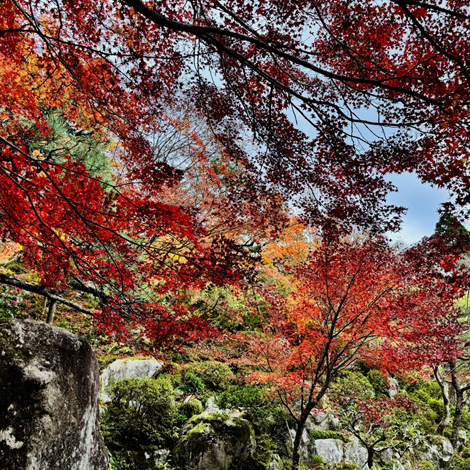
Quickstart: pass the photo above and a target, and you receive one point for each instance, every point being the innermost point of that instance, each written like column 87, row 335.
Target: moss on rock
column 48, row 410
column 319, row 434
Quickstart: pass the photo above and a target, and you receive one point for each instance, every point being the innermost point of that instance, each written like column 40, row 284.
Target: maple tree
column 383, row 86
column 213, row 186
column 377, row 423
column 451, row 372
column 353, row 298
column 129, row 263
column 288, row 250
column 97, row 225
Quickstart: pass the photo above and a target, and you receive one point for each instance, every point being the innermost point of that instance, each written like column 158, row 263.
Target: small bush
column 466, row 420
column 190, row 408
column 317, row 462
column 212, row 373
column 379, row 383
column 192, row 384
column 437, row 406
column 362, row 367
column 463, row 464
column 248, row 396
column 265, row 448
column 140, row 418
column 10, row 300
column 465, row 452
column 426, row 466
column 423, row 390
column 426, row 421
column 353, row 384
column 432, row 389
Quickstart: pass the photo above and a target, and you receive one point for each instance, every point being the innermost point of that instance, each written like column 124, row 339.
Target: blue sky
column 422, row 202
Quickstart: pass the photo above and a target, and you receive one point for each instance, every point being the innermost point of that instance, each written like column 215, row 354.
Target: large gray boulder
column 215, row 442
column 330, row 450
column 355, row 453
column 126, row 369
column 48, row 407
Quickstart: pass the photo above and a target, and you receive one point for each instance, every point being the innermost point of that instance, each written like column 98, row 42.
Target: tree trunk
column 297, row 440
column 443, row 384
column 459, row 403
column 452, row 397
column 51, row 311
column 370, row 456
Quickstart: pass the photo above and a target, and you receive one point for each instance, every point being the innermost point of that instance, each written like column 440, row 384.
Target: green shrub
column 317, row 462
column 113, row 465
column 213, row 374
column 426, row 465
column 269, row 419
column 190, row 408
column 429, row 413
column 448, row 432
column 462, row 464
column 379, row 384
column 362, row 367
column 15, row 267
column 140, row 418
column 422, row 390
column 465, row 452
column 432, row 389
column 382, row 466
column 437, row 406
column 421, row 395
column 466, row 420
column 353, row 384
column 318, row 434
column 178, row 357
column 426, row 421
column 174, row 373
column 192, row 384
column 265, row 448
column 10, row 300
column 247, row 396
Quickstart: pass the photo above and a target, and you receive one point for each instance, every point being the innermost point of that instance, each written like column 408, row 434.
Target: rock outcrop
column 48, row 408
column 215, row 442
column 437, row 449
column 322, row 421
column 355, row 453
column 330, row 450
column 393, row 387
column 334, row 451
column 126, row 369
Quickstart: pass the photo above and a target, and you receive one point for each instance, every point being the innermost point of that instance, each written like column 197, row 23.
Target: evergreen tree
column 450, row 229
column 65, row 140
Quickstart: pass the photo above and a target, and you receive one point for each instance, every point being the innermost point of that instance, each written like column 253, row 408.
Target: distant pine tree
column 77, row 144
column 453, row 232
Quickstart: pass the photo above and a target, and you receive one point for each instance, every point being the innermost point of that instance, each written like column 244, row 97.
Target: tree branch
column 40, row 290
